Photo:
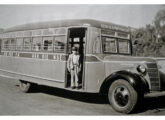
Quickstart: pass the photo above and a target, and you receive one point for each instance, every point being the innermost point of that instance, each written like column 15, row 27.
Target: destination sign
column 115, row 27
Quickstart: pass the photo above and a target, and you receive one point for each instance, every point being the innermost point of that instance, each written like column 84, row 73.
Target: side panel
column 94, row 68
column 94, row 44
column 161, row 67
column 51, row 70
column 95, row 75
column 115, row 66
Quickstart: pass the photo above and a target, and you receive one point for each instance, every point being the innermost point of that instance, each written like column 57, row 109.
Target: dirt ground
column 52, row 101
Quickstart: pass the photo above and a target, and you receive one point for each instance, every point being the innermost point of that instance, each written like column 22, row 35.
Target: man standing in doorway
column 74, row 67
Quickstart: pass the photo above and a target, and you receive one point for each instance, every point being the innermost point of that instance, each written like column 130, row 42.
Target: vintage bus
column 37, row 53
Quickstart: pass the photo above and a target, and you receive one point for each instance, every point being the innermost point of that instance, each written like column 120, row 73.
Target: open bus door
column 77, row 38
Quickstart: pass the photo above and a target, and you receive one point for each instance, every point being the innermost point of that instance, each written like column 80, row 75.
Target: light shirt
column 75, row 59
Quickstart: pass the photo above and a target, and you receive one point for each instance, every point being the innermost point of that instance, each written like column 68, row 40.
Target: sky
column 129, row 15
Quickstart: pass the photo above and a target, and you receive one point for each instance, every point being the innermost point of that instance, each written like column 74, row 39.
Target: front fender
column 137, row 81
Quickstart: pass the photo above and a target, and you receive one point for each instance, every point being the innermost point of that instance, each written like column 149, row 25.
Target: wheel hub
column 121, row 96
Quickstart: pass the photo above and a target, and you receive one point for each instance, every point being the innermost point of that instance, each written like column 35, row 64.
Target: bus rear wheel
column 122, row 96
column 26, row 86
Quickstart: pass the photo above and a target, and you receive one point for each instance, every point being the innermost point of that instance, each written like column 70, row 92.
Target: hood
column 125, row 58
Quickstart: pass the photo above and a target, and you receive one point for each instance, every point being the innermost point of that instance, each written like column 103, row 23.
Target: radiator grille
column 154, row 76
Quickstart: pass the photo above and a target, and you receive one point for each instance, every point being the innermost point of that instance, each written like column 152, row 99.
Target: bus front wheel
column 122, row 96
column 26, row 86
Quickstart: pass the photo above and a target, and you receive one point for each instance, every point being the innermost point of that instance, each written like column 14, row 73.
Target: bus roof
column 68, row 23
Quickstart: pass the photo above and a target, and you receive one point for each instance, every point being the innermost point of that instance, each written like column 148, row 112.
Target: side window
column 5, row 44
column 109, row 45
column 97, row 45
column 12, row 43
column 60, row 44
column 19, row 44
column 48, row 43
column 124, row 46
column 27, row 44
column 37, row 44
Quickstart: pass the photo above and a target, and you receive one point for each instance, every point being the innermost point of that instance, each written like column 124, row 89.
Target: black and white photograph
column 82, row 59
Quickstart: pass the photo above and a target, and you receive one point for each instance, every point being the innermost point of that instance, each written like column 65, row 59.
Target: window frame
column 117, row 44
column 103, row 43
column 41, row 49
column 12, row 47
column 22, row 46
column 5, row 46
column 129, row 46
column 65, row 46
column 30, row 45
column 42, row 46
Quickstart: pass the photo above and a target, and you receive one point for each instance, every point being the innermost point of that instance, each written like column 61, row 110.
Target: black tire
column 26, row 86
column 122, row 96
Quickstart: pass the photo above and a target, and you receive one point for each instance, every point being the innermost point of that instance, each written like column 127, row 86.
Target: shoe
column 73, row 87
column 77, row 87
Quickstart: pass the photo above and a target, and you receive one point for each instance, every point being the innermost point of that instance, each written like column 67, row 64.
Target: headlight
column 141, row 69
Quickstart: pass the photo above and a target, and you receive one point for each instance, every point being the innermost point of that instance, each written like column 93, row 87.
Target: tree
column 151, row 38
column 160, row 24
column 144, row 41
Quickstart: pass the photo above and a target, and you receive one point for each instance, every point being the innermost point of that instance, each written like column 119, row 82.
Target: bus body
column 37, row 53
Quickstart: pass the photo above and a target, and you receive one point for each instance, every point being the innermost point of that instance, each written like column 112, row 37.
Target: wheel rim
column 23, row 85
column 121, row 96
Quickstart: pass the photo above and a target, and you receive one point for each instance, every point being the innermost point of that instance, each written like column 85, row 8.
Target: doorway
column 77, row 38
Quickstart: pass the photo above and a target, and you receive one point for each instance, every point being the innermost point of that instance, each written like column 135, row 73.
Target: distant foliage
column 149, row 41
